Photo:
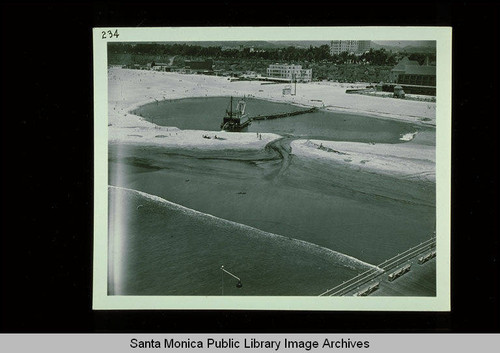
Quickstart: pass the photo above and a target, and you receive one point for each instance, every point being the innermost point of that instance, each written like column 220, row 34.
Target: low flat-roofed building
column 199, row 66
column 160, row 66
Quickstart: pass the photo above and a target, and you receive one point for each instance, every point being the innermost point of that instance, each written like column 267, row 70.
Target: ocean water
column 255, row 196
column 172, row 250
column 364, row 215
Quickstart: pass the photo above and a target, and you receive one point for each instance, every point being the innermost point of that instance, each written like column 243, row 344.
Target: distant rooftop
column 420, row 70
column 403, row 63
column 411, row 67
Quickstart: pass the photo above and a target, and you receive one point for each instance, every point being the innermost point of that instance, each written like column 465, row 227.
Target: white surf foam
column 409, row 136
column 346, row 260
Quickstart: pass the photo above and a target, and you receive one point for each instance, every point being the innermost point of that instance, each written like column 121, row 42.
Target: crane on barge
column 234, row 120
column 238, row 120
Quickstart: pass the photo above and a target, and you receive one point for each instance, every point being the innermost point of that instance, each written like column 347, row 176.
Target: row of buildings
column 406, row 72
column 280, row 72
column 190, row 66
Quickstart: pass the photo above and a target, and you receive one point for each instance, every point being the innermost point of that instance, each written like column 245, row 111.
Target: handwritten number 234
column 110, row 34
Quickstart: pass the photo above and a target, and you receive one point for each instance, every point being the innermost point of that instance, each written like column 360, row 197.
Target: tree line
column 289, row 54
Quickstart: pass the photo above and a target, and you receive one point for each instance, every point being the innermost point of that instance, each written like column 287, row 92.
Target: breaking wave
column 251, row 232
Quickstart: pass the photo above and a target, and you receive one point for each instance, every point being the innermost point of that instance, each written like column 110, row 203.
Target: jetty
column 283, row 115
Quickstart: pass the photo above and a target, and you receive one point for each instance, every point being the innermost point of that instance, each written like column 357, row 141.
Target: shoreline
column 171, row 137
column 129, row 89
column 317, row 198
column 400, row 110
column 404, row 160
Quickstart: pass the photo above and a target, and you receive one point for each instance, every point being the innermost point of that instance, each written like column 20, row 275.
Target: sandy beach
column 357, row 178
column 129, row 89
column 407, row 160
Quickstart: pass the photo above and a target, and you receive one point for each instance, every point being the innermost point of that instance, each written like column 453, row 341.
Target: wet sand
column 367, row 216
column 358, row 213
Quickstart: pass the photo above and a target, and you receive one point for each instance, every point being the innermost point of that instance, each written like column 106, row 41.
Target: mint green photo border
column 441, row 302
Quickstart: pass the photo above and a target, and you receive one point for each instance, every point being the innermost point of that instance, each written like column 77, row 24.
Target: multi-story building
column 349, row 46
column 290, row 72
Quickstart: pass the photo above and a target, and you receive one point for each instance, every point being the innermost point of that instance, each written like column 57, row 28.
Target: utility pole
column 294, row 80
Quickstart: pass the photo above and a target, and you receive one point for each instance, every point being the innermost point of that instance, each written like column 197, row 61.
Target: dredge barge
column 237, row 120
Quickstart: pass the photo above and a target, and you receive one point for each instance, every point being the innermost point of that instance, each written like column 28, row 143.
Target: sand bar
column 129, row 89
column 407, row 160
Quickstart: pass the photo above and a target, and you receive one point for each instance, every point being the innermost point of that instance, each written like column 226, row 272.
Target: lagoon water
column 294, row 228
column 207, row 113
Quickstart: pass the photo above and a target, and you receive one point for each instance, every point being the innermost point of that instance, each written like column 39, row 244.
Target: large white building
column 349, row 46
column 290, row 72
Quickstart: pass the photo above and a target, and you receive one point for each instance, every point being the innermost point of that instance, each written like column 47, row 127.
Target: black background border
column 47, row 165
